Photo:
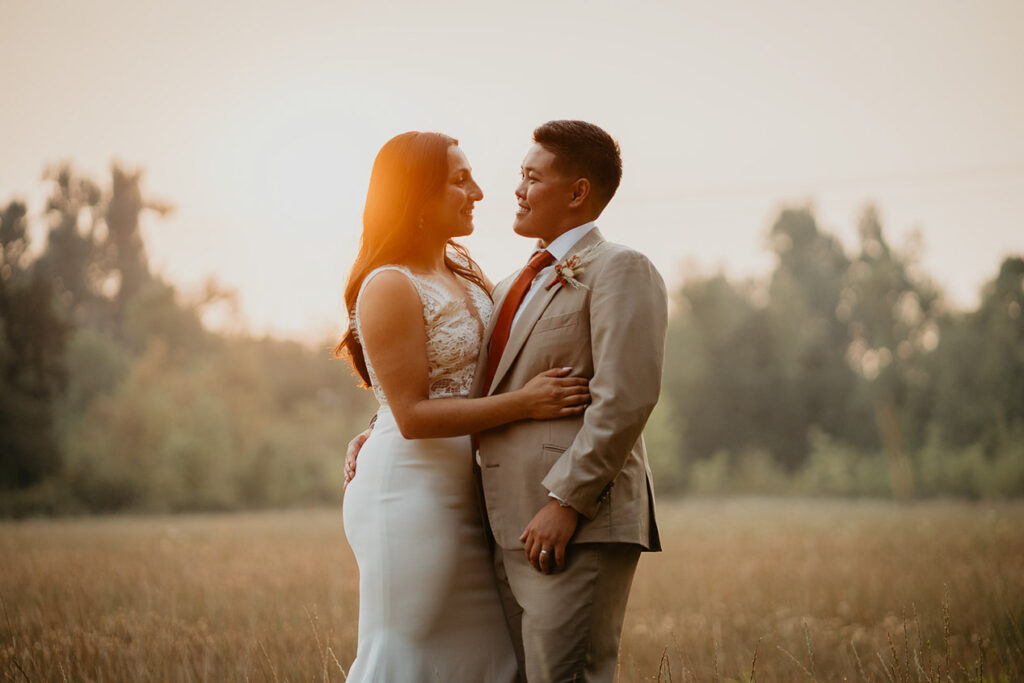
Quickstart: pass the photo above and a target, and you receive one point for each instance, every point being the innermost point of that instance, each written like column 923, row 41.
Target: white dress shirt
column 559, row 248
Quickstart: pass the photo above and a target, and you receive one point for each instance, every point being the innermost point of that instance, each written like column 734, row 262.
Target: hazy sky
column 260, row 122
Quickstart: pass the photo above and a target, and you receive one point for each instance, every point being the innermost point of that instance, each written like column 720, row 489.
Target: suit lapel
column 524, row 326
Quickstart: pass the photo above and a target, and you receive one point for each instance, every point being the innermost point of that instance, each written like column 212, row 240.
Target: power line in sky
column 902, row 181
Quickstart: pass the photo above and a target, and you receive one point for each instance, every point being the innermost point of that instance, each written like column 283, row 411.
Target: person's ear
column 580, row 193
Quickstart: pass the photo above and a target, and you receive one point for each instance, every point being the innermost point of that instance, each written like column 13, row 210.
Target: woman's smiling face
column 450, row 213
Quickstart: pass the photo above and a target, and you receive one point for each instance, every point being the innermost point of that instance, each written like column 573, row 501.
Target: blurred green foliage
column 115, row 396
column 844, row 373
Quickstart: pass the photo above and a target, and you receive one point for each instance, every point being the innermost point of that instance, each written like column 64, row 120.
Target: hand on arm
column 391, row 324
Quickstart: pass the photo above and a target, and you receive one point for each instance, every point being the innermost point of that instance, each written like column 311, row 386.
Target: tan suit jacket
column 612, row 330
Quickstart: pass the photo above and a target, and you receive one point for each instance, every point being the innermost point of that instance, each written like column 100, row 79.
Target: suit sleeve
column 628, row 319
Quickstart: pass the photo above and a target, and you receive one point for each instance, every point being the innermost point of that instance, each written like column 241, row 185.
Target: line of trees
column 114, row 395
column 844, row 372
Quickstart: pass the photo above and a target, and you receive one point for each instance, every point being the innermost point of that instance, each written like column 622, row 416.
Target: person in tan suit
column 570, row 501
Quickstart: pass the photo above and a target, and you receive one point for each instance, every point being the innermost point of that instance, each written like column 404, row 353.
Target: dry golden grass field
column 817, row 590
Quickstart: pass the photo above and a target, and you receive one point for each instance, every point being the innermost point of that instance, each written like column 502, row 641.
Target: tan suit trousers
column 566, row 626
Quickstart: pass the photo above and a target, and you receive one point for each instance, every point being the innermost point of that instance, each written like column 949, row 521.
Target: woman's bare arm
column 391, row 330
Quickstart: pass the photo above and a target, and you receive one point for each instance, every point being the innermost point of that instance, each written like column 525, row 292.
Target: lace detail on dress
column 454, row 334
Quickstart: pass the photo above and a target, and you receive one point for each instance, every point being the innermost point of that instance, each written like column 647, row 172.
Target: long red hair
column 410, row 170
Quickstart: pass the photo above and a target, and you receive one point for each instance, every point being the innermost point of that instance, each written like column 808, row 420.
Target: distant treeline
column 842, row 374
column 115, row 396
column 845, row 372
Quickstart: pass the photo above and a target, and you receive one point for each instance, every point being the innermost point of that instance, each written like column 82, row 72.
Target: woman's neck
column 427, row 260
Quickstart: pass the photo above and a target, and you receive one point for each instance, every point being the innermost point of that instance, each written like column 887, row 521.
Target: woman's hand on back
column 554, row 394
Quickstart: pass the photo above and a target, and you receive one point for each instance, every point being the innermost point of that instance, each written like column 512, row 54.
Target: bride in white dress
column 428, row 604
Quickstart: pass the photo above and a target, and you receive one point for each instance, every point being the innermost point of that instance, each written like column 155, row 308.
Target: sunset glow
column 259, row 122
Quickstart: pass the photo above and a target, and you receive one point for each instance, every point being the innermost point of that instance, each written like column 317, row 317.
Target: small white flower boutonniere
column 568, row 270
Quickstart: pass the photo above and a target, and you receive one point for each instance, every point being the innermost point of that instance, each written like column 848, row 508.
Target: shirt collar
column 563, row 244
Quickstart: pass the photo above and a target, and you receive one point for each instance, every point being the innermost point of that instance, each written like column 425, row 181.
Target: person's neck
column 426, row 260
column 570, row 223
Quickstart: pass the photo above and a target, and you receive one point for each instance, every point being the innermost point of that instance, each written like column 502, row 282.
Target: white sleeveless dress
column 428, row 603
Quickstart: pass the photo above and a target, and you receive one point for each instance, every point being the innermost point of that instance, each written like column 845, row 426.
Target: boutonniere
column 567, row 271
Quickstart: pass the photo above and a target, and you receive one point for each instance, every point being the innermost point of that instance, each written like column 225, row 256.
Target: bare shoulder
column 387, row 294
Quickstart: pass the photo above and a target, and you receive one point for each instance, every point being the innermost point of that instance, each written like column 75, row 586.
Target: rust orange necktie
column 515, row 296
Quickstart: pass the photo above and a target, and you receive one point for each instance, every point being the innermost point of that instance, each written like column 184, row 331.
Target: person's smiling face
column 450, row 213
column 543, row 197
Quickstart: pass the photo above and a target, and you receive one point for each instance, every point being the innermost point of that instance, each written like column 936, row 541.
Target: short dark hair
column 586, row 150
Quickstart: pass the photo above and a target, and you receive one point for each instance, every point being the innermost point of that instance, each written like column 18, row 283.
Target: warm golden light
column 260, row 125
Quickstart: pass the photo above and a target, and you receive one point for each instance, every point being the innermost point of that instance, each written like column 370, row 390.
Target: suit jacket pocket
column 549, row 455
column 551, row 451
column 556, row 322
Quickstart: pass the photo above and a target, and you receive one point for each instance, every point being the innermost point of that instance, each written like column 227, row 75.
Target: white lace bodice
column 454, row 334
